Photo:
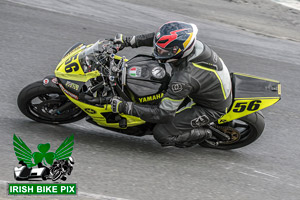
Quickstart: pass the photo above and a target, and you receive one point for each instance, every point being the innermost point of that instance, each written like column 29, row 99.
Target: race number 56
column 73, row 66
column 250, row 106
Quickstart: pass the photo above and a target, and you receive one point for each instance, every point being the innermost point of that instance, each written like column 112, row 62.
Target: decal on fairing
column 72, row 85
column 67, row 92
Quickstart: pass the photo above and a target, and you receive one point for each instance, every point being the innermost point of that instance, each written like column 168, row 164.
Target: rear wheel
column 39, row 103
column 242, row 131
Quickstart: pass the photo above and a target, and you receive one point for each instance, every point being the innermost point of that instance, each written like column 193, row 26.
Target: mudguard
column 50, row 81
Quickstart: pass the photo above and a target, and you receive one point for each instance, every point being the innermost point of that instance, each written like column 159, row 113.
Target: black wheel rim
column 43, row 106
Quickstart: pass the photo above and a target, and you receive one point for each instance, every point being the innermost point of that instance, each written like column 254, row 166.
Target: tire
column 50, row 98
column 255, row 126
column 44, row 176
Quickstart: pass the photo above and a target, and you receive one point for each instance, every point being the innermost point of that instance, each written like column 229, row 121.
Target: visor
column 164, row 53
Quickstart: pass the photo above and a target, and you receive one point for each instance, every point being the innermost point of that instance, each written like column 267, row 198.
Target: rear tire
column 255, row 126
column 50, row 98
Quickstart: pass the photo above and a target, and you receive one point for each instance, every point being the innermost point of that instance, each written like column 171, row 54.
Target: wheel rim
column 44, row 105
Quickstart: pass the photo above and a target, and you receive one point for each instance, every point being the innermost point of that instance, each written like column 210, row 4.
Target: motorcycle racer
column 199, row 91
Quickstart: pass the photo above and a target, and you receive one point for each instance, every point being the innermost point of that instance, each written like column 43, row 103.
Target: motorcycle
column 60, row 169
column 88, row 76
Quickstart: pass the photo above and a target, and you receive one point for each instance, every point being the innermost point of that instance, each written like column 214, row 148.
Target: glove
column 118, row 105
column 121, row 41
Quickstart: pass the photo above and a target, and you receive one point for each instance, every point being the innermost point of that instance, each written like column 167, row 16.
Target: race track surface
column 34, row 36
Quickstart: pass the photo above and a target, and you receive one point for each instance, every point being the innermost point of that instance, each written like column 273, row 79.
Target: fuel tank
column 147, row 80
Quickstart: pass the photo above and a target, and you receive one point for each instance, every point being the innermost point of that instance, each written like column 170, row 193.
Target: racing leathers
column 199, row 92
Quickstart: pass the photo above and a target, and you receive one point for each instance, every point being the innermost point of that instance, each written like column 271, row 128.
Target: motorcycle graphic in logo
column 60, row 163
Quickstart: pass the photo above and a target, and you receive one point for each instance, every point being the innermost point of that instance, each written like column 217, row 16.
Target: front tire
column 250, row 128
column 37, row 102
column 57, row 174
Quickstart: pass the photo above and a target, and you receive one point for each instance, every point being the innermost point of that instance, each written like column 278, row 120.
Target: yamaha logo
column 90, row 111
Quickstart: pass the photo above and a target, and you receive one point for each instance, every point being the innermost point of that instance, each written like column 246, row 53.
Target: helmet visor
column 164, row 53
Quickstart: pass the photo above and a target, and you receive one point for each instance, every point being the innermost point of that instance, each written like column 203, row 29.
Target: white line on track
column 265, row 174
column 99, row 196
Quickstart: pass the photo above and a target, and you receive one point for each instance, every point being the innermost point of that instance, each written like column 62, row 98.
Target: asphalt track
column 35, row 34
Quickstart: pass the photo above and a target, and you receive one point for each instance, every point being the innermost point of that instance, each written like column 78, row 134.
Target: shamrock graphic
column 43, row 155
column 23, row 153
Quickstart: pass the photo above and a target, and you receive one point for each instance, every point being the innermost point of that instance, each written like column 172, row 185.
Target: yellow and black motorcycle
column 88, row 76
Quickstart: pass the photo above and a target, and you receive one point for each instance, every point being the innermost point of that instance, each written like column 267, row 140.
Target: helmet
column 71, row 161
column 174, row 40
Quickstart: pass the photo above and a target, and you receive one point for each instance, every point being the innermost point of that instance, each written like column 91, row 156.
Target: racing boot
column 192, row 138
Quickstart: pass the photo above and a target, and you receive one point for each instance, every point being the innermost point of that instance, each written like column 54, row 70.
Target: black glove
column 121, row 41
column 118, row 105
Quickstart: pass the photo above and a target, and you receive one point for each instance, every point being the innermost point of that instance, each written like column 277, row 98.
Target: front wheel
column 57, row 174
column 243, row 132
column 38, row 103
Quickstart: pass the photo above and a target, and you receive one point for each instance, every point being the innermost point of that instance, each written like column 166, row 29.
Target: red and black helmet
column 174, row 40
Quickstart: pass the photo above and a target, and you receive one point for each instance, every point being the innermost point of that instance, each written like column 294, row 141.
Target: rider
column 199, row 91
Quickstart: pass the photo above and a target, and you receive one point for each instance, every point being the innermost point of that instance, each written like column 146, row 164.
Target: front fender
column 50, row 81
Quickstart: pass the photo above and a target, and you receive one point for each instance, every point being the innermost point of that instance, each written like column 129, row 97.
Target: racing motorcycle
column 88, row 76
column 61, row 168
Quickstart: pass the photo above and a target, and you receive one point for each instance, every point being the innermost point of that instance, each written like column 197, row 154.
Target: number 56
column 242, row 106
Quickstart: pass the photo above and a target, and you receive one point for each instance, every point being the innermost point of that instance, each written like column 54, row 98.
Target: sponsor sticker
column 45, row 81
column 135, row 71
column 157, row 35
column 67, row 92
column 72, row 85
column 90, row 111
column 54, row 80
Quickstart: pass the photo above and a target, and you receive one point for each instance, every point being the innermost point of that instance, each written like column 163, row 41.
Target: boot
column 193, row 137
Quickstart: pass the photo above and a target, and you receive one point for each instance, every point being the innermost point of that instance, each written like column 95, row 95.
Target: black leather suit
column 199, row 92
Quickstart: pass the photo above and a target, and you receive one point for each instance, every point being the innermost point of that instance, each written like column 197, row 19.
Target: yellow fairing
column 96, row 114
column 69, row 67
column 242, row 107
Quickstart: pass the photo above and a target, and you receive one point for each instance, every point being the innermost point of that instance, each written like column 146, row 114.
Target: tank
column 147, row 80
